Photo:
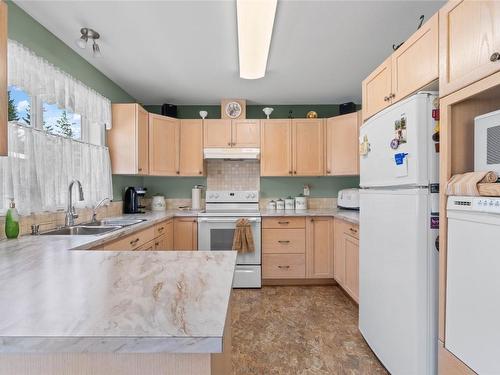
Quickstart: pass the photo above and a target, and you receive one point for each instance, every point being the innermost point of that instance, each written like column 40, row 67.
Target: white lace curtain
column 40, row 166
column 38, row 77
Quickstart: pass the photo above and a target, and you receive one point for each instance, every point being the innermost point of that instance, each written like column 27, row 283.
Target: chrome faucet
column 70, row 212
column 94, row 210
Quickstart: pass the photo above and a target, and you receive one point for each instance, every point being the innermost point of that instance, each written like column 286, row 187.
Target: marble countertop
column 55, row 299
column 351, row 216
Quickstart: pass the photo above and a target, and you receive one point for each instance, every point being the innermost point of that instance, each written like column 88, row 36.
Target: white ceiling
column 185, row 52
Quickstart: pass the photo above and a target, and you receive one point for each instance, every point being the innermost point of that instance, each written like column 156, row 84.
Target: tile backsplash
column 233, row 175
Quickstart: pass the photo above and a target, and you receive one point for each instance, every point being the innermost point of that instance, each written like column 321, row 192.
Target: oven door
column 217, row 233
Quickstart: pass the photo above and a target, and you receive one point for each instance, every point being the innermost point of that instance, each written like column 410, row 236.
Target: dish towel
column 243, row 238
column 466, row 184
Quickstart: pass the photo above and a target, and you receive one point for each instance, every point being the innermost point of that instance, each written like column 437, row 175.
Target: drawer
column 283, row 241
column 351, row 229
column 283, row 266
column 284, row 222
column 149, row 246
column 132, row 241
column 163, row 227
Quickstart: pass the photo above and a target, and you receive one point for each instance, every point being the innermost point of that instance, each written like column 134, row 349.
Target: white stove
column 216, row 231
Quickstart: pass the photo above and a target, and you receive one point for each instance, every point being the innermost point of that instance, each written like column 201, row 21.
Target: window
column 61, row 122
column 19, row 106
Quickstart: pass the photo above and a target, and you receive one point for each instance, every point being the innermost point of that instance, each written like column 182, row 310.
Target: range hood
column 233, row 153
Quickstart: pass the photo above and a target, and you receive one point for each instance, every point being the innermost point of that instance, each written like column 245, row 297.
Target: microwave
column 487, row 142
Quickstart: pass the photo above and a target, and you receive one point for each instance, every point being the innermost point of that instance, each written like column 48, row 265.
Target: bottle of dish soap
column 12, row 221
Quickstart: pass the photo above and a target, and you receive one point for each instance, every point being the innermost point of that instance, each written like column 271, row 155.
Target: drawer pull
column 157, row 244
column 353, row 230
column 386, row 98
column 283, row 241
column 284, row 267
column 495, row 57
column 283, row 222
column 133, row 242
column 160, row 229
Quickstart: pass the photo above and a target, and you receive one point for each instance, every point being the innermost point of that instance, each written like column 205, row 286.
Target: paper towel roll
column 196, row 198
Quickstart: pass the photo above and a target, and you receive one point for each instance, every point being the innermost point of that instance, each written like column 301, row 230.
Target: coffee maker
column 131, row 200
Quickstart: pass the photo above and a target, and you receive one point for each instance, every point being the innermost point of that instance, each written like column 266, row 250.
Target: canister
column 158, row 203
column 289, row 203
column 301, row 203
column 271, row 205
column 280, row 204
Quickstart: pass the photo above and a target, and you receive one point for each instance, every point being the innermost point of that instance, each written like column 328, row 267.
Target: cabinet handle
column 229, row 143
column 284, row 241
column 353, row 230
column 157, row 244
column 392, row 95
column 495, row 57
column 283, row 222
column 140, row 169
column 294, row 172
column 133, row 242
column 289, row 172
column 178, row 172
column 386, row 98
column 200, row 172
column 160, row 229
column 328, row 172
column 284, row 267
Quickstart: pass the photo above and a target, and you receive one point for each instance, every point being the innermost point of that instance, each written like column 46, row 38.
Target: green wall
column 321, row 187
column 27, row 31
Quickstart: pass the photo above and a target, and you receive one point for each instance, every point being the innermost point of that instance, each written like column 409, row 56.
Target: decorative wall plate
column 233, row 109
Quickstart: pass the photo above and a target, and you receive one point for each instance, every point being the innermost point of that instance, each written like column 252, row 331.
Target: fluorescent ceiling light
column 255, row 28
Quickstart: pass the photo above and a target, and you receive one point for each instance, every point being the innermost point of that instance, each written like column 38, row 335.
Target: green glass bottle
column 12, row 221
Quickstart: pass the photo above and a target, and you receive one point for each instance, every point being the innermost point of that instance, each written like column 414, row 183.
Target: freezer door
column 400, row 150
column 398, row 279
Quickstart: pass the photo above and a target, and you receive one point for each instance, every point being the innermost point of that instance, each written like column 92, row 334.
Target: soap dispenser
column 12, row 221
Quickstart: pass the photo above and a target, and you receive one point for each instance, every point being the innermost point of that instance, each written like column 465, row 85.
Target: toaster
column 348, row 198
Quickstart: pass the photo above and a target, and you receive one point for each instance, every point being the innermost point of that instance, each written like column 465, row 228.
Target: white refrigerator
column 399, row 204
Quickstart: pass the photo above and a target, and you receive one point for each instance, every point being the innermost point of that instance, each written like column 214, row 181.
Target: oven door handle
column 225, row 220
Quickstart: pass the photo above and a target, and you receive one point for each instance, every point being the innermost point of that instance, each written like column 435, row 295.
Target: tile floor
column 298, row 331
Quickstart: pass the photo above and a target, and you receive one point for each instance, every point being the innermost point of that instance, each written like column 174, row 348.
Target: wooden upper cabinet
column 376, row 90
column 191, row 148
column 163, row 145
column 342, row 155
column 319, row 248
column 276, row 148
column 469, row 43
column 3, row 80
column 217, row 133
column 308, row 145
column 245, row 133
column 415, row 64
column 128, row 139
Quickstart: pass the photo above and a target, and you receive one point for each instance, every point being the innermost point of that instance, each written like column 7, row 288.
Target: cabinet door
column 245, row 133
column 3, row 79
column 319, row 247
column 217, row 133
column 185, row 233
column 169, row 241
column 191, row 148
column 142, row 141
column 342, row 151
column 276, row 148
column 351, row 246
column 150, row 246
column 339, row 252
column 163, row 145
column 308, row 145
column 469, row 36
column 376, row 90
column 415, row 64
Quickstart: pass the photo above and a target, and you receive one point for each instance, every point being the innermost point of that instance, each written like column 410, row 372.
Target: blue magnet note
column 400, row 158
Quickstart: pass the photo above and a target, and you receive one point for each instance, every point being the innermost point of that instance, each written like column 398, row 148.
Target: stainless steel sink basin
column 116, row 222
column 82, row 230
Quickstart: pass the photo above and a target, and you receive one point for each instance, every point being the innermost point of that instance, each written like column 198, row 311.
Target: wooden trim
column 291, row 282
column 448, row 364
column 3, row 80
column 457, row 155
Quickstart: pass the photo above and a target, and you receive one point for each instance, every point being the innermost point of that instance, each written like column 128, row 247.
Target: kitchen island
column 101, row 312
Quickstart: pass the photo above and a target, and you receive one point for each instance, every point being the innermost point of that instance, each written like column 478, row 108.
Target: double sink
column 95, row 228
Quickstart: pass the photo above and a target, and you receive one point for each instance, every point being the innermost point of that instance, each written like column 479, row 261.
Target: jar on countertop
column 289, row 203
column 280, row 204
column 271, row 205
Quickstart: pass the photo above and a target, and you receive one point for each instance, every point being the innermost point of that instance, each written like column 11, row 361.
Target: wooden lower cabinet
column 185, row 233
column 165, row 233
column 297, row 248
column 319, row 248
column 346, row 257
